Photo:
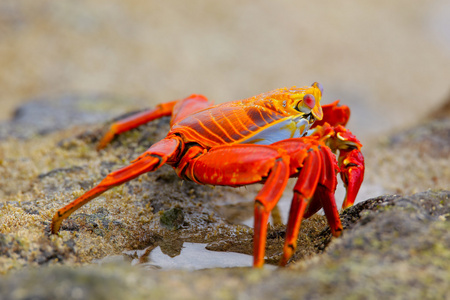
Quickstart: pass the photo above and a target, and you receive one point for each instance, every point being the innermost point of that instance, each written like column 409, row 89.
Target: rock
column 172, row 219
column 392, row 246
column 43, row 116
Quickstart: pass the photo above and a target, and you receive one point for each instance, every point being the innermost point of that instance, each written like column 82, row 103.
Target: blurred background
column 388, row 60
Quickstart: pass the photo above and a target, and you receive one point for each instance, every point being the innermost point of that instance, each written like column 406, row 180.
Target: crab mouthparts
column 310, row 118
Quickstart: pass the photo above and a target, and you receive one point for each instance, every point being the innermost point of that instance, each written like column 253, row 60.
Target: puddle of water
column 193, row 256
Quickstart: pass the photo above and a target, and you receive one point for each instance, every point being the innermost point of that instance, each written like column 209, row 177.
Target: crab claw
column 352, row 174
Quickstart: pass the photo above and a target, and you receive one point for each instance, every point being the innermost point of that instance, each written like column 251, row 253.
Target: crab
column 266, row 139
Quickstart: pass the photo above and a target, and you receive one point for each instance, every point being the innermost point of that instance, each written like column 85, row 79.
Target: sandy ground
column 389, row 61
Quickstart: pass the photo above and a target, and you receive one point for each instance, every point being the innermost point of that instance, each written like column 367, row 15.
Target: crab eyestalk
column 317, row 110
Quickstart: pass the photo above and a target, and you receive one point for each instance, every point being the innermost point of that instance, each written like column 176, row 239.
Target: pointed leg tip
column 54, row 227
column 260, row 234
column 337, row 232
column 283, row 261
column 258, row 264
column 346, row 204
column 288, row 251
column 105, row 140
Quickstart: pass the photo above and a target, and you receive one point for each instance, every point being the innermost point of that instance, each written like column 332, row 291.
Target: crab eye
column 309, row 101
column 319, row 86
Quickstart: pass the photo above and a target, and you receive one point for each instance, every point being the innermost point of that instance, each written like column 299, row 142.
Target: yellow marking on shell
column 213, row 176
column 213, row 119
column 296, row 96
column 232, row 126
column 254, row 141
column 239, row 120
column 210, row 132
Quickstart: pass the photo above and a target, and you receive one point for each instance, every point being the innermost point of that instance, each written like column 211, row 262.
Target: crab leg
column 303, row 192
column 188, row 106
column 178, row 109
column 150, row 161
column 244, row 164
column 133, row 121
column 265, row 201
column 316, row 167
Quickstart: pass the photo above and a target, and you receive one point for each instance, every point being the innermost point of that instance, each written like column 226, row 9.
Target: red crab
column 264, row 139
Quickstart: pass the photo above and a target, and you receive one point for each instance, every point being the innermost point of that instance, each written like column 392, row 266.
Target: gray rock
column 43, row 116
column 393, row 246
column 396, row 247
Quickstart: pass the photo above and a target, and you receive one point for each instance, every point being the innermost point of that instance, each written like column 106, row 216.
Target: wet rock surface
column 393, row 245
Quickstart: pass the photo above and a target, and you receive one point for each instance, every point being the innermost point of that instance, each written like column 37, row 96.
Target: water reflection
column 193, row 256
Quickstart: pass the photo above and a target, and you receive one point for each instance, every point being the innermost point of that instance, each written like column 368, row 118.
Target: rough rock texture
column 393, row 246
column 414, row 159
